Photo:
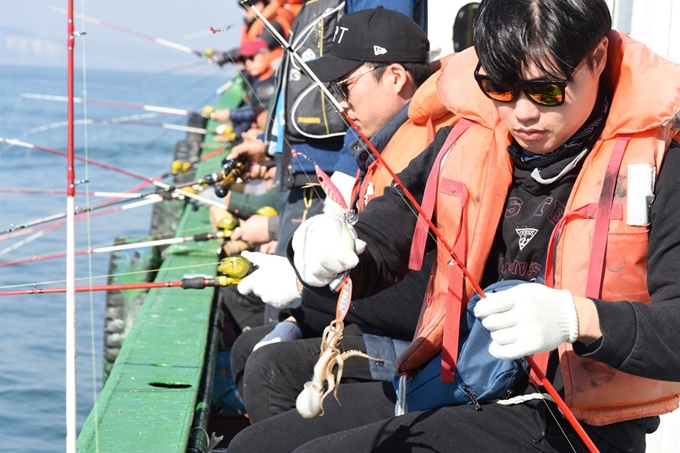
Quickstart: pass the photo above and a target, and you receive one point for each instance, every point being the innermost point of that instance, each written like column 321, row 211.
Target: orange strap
column 599, row 248
column 430, row 196
column 455, row 300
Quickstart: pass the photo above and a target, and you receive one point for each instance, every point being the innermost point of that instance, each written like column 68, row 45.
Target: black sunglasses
column 549, row 93
column 340, row 89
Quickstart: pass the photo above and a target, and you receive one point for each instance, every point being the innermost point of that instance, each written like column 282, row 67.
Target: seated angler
column 553, row 186
column 380, row 325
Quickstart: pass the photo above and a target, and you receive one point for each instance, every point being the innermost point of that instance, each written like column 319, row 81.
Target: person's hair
column 419, row 72
column 553, row 35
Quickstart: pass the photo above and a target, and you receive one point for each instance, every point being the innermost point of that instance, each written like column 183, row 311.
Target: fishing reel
column 228, row 224
column 226, row 130
column 207, row 111
column 235, row 267
column 232, row 169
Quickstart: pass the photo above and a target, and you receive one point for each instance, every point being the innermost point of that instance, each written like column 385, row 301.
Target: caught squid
column 309, row 402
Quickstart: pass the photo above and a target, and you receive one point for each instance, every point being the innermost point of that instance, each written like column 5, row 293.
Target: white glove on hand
column 274, row 281
column 528, row 319
column 325, row 247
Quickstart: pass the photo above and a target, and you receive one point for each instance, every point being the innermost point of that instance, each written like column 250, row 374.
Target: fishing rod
column 103, row 204
column 233, row 268
column 129, row 105
column 134, row 120
column 422, row 216
column 161, row 41
column 148, row 198
column 202, row 237
column 177, row 167
column 170, row 192
column 27, row 229
column 155, row 182
column 117, row 120
column 15, row 142
column 63, row 192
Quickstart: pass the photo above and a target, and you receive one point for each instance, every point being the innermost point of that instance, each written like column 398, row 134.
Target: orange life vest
column 274, row 12
column 471, row 189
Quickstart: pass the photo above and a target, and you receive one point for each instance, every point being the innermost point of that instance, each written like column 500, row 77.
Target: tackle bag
column 308, row 114
column 478, row 373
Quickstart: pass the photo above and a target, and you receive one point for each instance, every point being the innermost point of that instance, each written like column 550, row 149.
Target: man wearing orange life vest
column 560, row 174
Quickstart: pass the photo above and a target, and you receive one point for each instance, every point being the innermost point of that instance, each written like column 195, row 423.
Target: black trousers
column 270, row 379
column 246, row 311
column 364, row 422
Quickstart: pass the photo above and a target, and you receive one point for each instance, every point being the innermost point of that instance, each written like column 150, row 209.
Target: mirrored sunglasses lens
column 546, row 93
column 494, row 92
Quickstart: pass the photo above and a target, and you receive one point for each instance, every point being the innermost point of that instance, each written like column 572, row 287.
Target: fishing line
column 93, row 371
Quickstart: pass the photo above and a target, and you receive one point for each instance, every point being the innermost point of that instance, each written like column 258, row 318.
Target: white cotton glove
column 274, row 281
column 325, row 247
column 528, row 319
column 345, row 184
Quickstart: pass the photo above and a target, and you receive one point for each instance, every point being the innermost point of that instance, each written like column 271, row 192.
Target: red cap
column 250, row 48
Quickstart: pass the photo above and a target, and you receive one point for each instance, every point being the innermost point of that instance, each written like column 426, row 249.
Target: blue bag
column 480, row 377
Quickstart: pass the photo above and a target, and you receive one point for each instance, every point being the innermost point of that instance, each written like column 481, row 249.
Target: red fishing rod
column 185, row 283
column 424, row 216
column 233, row 270
column 14, row 142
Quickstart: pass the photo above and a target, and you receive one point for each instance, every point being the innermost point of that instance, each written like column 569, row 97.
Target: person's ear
column 398, row 76
column 600, row 56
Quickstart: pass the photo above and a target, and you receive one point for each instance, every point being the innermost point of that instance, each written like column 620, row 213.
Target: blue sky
column 32, row 33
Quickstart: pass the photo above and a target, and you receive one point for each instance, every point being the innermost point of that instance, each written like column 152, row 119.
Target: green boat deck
column 150, row 398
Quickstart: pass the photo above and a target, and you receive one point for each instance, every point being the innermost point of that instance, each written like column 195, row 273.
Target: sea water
column 32, row 327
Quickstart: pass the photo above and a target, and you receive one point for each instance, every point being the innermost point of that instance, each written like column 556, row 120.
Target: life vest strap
column 430, row 196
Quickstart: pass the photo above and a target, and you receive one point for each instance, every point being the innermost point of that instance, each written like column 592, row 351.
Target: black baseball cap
column 375, row 35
